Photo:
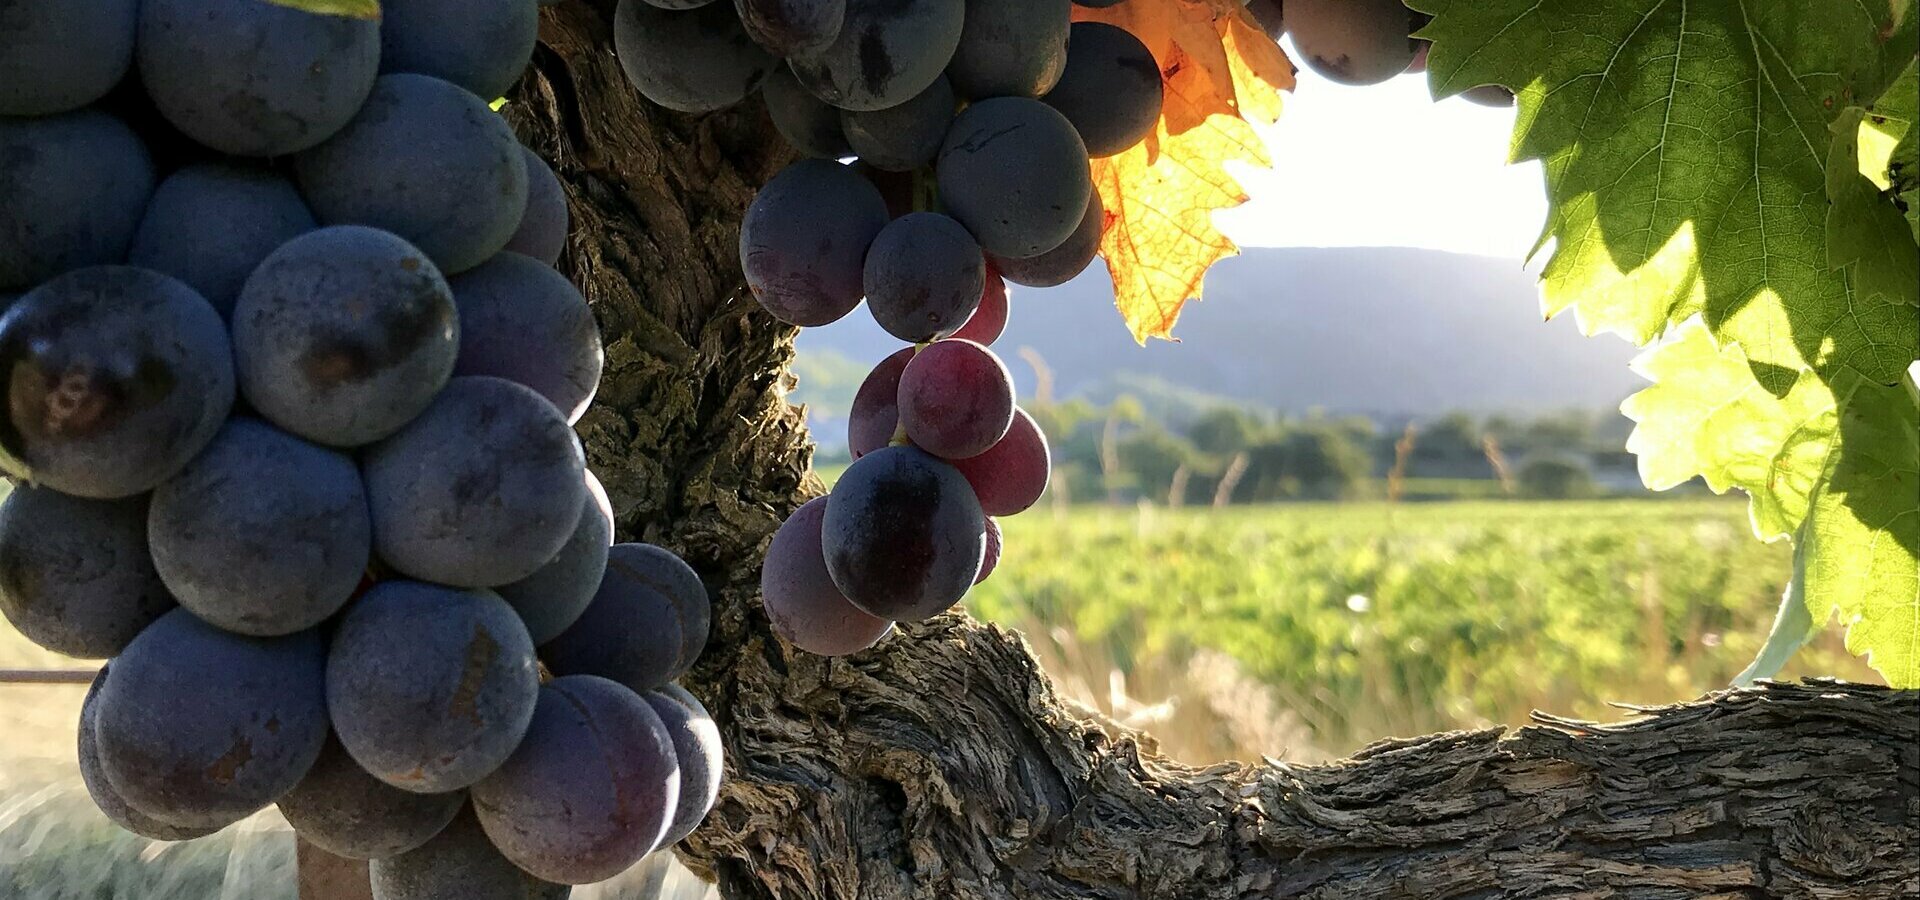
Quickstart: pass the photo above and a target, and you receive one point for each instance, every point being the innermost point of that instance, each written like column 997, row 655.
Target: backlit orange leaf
column 1220, row 72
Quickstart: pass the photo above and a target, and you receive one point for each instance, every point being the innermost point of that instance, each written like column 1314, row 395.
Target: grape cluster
column 290, row 382
column 1358, row 42
column 947, row 148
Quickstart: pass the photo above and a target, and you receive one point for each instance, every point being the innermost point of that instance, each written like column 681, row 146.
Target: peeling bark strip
column 942, row 765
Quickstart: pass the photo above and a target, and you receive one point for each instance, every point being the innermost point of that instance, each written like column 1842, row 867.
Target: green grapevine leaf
column 1685, row 147
column 1792, row 627
column 1890, row 145
column 1862, row 537
column 352, row 9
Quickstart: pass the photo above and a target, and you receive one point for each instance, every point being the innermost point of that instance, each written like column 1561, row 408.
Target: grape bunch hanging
column 969, row 125
column 290, row 381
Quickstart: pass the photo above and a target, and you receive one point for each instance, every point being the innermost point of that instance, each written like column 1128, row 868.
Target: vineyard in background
column 1298, row 631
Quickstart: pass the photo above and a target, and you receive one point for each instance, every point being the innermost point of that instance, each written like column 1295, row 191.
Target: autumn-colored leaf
column 1220, row 72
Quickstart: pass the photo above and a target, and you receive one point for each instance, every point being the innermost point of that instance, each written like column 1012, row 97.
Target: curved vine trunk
column 941, row 763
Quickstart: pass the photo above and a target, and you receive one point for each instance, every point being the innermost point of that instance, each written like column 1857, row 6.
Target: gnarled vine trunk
column 941, row 764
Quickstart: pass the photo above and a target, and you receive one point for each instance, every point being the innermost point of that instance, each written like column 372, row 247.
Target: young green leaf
column 351, row 9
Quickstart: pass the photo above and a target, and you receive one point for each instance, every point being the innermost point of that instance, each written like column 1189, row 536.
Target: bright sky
column 1385, row 165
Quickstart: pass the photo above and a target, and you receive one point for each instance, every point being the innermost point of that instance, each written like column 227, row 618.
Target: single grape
column 75, row 188
column 896, row 188
column 523, row 321
column 696, row 60
column 262, row 533
column 343, row 810
column 1351, row 41
column 956, row 399
column 543, row 227
column 1493, row 95
column 115, row 377
column 480, row 45
column 591, row 790
column 904, row 137
column 253, row 78
column 924, row 276
column 59, row 55
column 646, row 625
column 1268, row 14
column 430, row 687
column 1111, row 91
column 1015, row 173
column 792, row 27
column 344, row 334
column 75, row 576
column 992, row 559
column 1060, row 265
column 199, row 727
column 210, row 225
column 482, row 489
column 696, row 746
column 806, row 121
column 804, row 240
column 990, row 320
column 460, row 863
column 887, row 51
column 1010, row 478
column 1011, row 48
column 427, row 161
column 903, row 534
column 875, row 414
column 553, row 597
column 102, row 792
column 802, row 602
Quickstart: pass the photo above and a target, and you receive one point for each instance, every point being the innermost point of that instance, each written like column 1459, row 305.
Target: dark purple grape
column 430, row 687
column 1011, row 48
column 262, row 533
column 802, row 602
column 1062, row 263
column 792, row 27
column 956, row 399
column 1355, row 42
column 210, row 225
column 543, row 227
column 480, row 45
column 990, row 320
column 804, row 240
column 427, row 161
column 75, row 575
column 697, row 60
column 523, row 321
column 75, row 188
column 806, row 121
column 115, row 377
column 875, row 415
column 992, row 559
column 199, row 727
column 345, row 334
column 924, row 276
column 903, row 534
column 646, row 625
column 696, row 746
column 482, row 489
column 1015, row 173
column 1111, row 91
column 904, row 137
column 1268, row 14
column 592, row 788
column 343, row 810
column 105, row 797
column 553, row 597
column 60, row 55
column 896, row 188
column 460, row 863
column 1010, row 478
column 253, row 78
column 886, row 52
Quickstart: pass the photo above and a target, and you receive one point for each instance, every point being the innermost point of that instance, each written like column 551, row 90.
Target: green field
column 1298, row 632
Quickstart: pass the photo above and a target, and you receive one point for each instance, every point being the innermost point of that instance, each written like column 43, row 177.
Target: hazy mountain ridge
column 1384, row 331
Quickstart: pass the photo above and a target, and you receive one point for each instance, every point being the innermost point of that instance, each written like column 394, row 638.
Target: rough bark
column 942, row 764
